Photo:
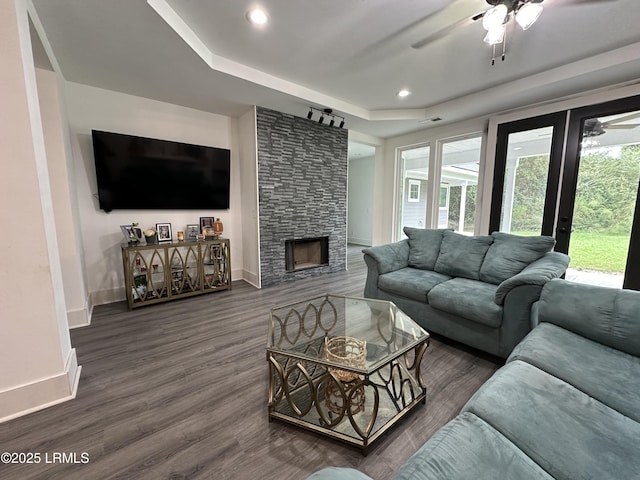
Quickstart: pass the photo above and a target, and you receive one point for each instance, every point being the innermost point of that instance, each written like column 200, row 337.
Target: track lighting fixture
column 326, row 112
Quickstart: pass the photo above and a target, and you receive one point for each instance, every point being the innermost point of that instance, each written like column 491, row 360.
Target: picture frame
column 206, row 223
column 164, row 232
column 129, row 233
column 191, row 232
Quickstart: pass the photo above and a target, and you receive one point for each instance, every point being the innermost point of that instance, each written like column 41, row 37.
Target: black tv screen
column 145, row 173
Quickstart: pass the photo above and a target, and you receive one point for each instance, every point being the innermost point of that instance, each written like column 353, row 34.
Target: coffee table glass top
column 302, row 329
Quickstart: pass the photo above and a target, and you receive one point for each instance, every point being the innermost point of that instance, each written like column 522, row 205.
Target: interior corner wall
column 302, row 189
column 55, row 131
column 249, row 192
column 38, row 367
column 94, row 108
column 361, row 201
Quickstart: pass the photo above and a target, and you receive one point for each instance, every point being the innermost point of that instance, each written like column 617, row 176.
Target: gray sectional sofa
column 477, row 290
column 565, row 406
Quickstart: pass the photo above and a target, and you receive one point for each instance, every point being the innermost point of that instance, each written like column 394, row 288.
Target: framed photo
column 191, row 232
column 164, row 232
column 129, row 233
column 206, row 223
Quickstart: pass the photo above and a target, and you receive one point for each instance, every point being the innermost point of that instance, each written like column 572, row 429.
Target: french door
column 598, row 220
column 526, row 175
column 587, row 199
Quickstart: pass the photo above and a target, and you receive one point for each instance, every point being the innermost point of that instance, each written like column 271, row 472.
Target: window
column 413, row 180
column 460, row 168
column 414, row 191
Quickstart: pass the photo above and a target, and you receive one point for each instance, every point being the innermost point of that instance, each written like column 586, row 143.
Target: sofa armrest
column 551, row 265
column 389, row 257
column 609, row 316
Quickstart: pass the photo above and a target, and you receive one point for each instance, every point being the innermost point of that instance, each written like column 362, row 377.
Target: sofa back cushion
column 461, row 255
column 424, row 247
column 609, row 316
column 510, row 254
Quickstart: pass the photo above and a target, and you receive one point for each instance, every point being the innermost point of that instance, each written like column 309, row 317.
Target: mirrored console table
column 168, row 271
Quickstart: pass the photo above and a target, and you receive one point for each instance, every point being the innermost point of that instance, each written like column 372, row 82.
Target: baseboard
column 42, row 393
column 359, row 241
column 102, row 297
column 251, row 278
column 79, row 318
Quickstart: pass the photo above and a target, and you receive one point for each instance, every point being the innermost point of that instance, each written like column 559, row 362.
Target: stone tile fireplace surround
column 302, row 188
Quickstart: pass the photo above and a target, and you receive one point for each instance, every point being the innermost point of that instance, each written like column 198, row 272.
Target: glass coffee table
column 348, row 368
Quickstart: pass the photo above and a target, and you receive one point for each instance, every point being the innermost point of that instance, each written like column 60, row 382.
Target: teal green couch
column 565, row 406
column 477, row 290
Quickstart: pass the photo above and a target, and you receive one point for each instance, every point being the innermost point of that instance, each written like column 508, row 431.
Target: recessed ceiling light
column 404, row 93
column 257, row 16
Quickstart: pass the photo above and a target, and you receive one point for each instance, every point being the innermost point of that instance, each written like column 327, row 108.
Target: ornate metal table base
column 353, row 404
column 357, row 412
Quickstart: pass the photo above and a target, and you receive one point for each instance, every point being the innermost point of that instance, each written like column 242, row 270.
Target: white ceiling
column 349, row 55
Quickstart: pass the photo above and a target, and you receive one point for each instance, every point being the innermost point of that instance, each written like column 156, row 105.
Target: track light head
column 326, row 112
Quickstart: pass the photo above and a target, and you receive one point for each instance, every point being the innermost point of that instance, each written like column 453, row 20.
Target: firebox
column 306, row 253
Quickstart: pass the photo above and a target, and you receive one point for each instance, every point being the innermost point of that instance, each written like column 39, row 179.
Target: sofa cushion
column 604, row 373
column 424, row 247
column 509, row 254
column 338, row 473
column 468, row 448
column 461, row 255
column 470, row 299
column 606, row 315
column 411, row 282
column 565, row 431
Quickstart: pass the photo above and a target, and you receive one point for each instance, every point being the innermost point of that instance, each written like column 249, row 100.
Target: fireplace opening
column 306, row 253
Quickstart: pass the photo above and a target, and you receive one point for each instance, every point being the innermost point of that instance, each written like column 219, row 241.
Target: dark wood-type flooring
column 179, row 391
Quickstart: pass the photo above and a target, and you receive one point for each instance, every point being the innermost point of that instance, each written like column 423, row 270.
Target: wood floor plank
column 179, row 391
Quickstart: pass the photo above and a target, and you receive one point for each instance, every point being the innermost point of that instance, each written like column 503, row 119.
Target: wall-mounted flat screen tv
column 145, row 173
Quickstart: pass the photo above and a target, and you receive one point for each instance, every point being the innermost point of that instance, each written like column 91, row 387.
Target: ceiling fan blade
column 443, row 32
column 584, row 2
column 627, row 126
column 631, row 116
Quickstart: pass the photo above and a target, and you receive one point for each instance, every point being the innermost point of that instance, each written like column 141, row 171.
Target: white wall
column 58, row 151
column 38, row 367
column 248, row 146
column 361, row 197
column 93, row 108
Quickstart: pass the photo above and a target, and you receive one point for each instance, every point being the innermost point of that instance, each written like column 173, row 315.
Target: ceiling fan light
column 494, row 17
column 528, row 14
column 495, row 35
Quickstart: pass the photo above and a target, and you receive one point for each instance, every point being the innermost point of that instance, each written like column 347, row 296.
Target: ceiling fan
column 526, row 12
column 593, row 127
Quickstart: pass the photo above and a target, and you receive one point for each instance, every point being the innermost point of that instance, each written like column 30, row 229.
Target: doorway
column 598, row 207
column 587, row 199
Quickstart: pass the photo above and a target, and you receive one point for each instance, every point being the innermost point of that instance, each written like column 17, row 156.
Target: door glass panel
column 605, row 199
column 459, row 184
column 413, row 188
column 525, row 181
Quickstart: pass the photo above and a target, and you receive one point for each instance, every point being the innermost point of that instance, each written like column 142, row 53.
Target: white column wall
column 37, row 364
column 94, row 108
column 249, row 183
column 56, row 139
column 361, row 201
